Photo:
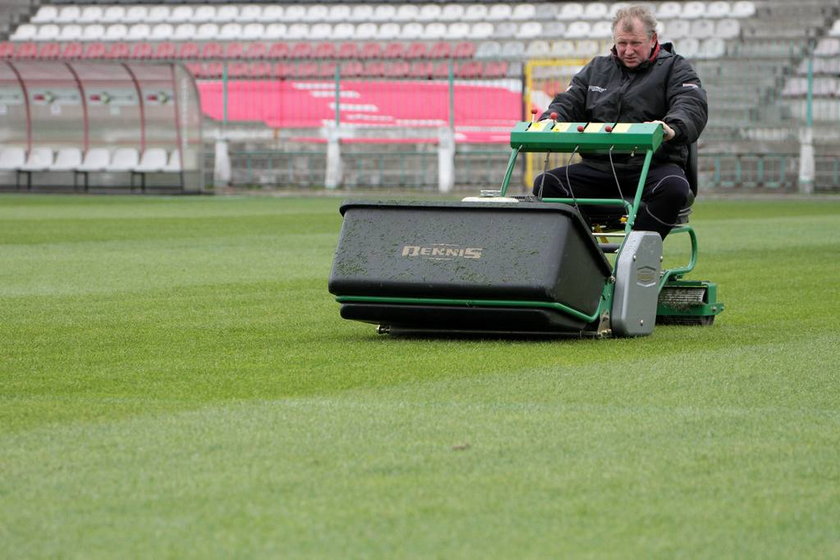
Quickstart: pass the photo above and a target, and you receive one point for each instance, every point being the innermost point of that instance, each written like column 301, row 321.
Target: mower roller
column 499, row 264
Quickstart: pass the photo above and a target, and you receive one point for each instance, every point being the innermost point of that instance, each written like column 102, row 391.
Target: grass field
column 175, row 382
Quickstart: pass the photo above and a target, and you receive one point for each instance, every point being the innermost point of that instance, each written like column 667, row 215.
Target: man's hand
column 669, row 132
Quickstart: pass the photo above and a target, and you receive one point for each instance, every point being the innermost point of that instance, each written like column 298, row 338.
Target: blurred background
column 201, row 96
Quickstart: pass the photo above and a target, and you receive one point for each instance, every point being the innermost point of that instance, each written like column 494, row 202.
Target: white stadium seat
column 67, row 159
column 596, row 11
column 481, row 30
column 173, row 164
column 702, row 28
column 742, row 8
column 272, row 13
column 124, row 159
column 407, row 12
column 499, row 12
column 24, row 32
column 253, row 31
column 68, row 14
column 384, row 13
column 48, row 32
column 96, row 159
column 524, row 11
column 91, row 14
column 40, row 159
column 184, row 31
column 12, row 158
column 694, row 9
column 204, row 13
column 45, row 14
column 138, row 32
column 226, row 13
column 162, row 32
column 115, row 32
column 70, row 32
column 250, row 12
column 570, row 11
column 153, row 160
column 181, row 14
column 717, row 9
column 452, row 12
column 113, row 14
column 578, row 30
column 230, row 31
column 430, row 12
column 727, row 28
column 475, row 12
column 158, row 14
column 136, row 13
column 669, row 10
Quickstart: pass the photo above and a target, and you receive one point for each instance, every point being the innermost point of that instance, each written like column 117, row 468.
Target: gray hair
column 625, row 16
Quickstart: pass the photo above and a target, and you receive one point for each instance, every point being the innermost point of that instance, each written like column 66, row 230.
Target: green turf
column 175, row 382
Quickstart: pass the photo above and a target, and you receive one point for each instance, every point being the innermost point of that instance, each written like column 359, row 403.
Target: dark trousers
column 665, row 193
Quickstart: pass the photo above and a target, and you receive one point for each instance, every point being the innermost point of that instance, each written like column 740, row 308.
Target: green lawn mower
column 499, row 264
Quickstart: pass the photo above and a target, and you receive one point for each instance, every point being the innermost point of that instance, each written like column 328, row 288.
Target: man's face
column 633, row 46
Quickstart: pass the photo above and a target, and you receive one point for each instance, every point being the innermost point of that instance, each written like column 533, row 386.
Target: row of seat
column 601, row 29
column 237, row 50
column 406, row 12
column 122, row 160
column 713, row 47
column 419, row 69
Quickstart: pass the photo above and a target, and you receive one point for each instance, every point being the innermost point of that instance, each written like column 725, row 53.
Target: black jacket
column 665, row 88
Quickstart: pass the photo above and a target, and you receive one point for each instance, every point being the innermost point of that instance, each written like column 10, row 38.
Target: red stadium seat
column 352, row 69
column 194, row 68
column 374, row 68
column 27, row 50
column 278, row 50
column 327, row 69
column 396, row 69
column 306, row 70
column 283, row 70
column 73, row 50
column 495, row 69
column 189, row 50
column 394, row 50
column 421, row 69
column 213, row 69
column 95, row 50
column 118, row 50
column 165, row 50
column 325, row 50
column 260, row 70
column 441, row 70
column 212, row 50
column 416, row 50
column 256, row 50
column 301, row 50
column 234, row 50
column 7, row 49
column 348, row 50
column 238, row 70
column 371, row 50
column 464, row 50
column 440, row 50
column 49, row 50
column 142, row 50
column 470, row 69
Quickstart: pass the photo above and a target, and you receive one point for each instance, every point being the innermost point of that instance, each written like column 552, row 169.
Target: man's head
column 634, row 33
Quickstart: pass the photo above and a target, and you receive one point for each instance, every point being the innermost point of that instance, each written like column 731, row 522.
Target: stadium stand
column 749, row 55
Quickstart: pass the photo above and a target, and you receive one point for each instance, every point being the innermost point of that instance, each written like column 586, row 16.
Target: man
column 640, row 81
